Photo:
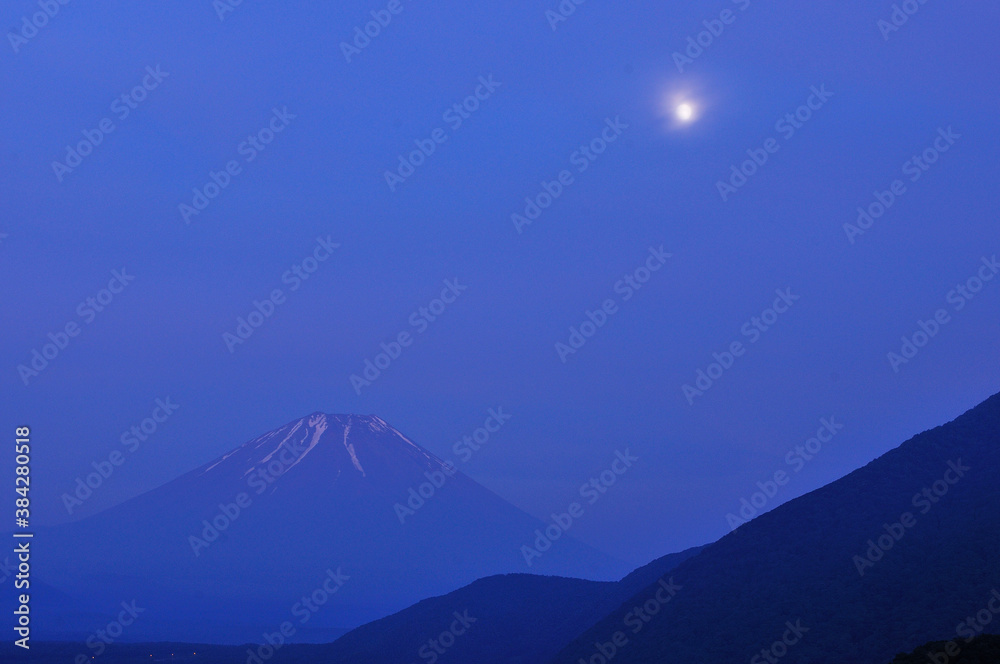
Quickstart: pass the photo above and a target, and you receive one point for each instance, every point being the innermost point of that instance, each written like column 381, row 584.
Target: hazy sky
column 604, row 70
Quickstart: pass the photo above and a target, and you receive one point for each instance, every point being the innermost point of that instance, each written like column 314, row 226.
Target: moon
column 684, row 112
column 681, row 106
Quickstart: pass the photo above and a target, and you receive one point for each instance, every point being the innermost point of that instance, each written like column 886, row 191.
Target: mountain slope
column 806, row 563
column 984, row 649
column 301, row 514
column 519, row 619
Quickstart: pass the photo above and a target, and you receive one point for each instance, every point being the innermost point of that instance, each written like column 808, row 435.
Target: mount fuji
column 326, row 523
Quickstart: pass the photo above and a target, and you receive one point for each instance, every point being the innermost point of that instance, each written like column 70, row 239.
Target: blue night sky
column 655, row 185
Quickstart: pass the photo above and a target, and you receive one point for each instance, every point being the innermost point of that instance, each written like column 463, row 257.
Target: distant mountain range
column 898, row 553
column 326, row 504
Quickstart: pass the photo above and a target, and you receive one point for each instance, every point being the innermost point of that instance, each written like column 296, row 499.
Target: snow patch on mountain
column 350, row 448
column 282, row 443
column 263, row 439
column 319, row 425
column 303, row 435
column 377, row 424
